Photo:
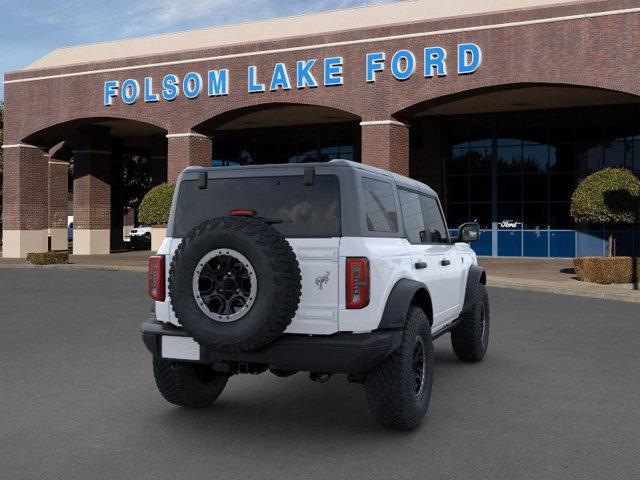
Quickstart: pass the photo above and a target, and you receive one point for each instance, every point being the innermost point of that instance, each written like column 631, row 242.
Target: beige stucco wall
column 91, row 242
column 58, row 238
column 17, row 243
column 157, row 236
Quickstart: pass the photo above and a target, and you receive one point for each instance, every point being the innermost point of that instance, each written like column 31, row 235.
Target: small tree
column 136, row 179
column 611, row 195
column 156, row 205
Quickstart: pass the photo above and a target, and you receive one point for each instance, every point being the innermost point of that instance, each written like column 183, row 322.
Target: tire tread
column 466, row 337
column 389, row 391
column 287, row 280
column 181, row 386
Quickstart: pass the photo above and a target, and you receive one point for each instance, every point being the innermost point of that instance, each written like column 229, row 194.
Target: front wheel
column 187, row 384
column 470, row 338
column 398, row 389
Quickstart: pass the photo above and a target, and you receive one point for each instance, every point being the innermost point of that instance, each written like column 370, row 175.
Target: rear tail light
column 242, row 213
column 358, row 282
column 156, row 278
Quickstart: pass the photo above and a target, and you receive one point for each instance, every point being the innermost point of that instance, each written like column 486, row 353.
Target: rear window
column 305, row 210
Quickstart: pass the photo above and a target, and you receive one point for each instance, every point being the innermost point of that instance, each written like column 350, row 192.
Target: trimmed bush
column 48, row 258
column 156, row 204
column 607, row 270
column 611, row 195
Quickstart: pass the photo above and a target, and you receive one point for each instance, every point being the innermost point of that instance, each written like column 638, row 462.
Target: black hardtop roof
column 245, row 170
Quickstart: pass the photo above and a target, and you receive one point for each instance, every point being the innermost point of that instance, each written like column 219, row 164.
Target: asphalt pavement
column 556, row 397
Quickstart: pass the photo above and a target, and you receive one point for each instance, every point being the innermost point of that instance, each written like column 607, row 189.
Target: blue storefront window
column 562, row 244
column 482, row 246
column 535, row 243
column 510, row 243
column 594, row 242
column 591, row 243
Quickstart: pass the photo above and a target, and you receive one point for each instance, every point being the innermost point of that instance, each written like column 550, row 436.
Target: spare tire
column 234, row 284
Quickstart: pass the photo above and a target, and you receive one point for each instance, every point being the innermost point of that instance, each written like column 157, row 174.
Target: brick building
column 500, row 105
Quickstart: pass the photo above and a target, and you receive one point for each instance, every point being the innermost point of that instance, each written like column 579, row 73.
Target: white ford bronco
column 324, row 268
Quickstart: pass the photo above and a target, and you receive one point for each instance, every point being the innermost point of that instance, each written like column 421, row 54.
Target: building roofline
column 282, row 28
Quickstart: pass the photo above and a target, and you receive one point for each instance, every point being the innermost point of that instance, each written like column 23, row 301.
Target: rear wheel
column 398, row 390
column 470, row 338
column 187, row 384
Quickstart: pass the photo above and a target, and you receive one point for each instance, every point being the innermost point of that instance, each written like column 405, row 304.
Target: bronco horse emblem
column 322, row 279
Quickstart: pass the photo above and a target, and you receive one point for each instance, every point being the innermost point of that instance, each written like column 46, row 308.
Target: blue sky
column 30, row 29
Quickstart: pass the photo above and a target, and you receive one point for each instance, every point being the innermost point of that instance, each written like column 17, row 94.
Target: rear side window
column 305, row 210
column 379, row 206
column 412, row 216
column 436, row 231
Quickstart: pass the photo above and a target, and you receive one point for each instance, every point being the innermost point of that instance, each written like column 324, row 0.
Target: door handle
column 445, row 262
column 420, row 265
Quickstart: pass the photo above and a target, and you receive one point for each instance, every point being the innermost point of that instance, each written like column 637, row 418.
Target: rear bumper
column 339, row 353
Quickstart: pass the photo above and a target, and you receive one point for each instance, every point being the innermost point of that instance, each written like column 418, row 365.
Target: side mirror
column 469, row 232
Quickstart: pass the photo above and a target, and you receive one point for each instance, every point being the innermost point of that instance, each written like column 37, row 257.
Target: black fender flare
column 476, row 276
column 399, row 301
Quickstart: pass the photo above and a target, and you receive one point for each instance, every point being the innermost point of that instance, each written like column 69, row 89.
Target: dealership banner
column 308, row 73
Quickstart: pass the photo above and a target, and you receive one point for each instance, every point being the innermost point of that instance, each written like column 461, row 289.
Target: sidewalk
column 551, row 276
column 539, row 275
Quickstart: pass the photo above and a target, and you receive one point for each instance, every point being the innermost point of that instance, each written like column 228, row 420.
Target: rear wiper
column 271, row 221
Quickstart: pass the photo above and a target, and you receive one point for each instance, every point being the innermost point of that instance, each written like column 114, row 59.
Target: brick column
column 91, row 191
column 385, row 144
column 158, row 160
column 58, row 191
column 117, row 208
column 25, row 210
column 187, row 149
column 91, row 202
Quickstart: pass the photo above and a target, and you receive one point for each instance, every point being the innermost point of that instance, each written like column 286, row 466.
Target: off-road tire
column 470, row 338
column 278, row 282
column 186, row 384
column 389, row 386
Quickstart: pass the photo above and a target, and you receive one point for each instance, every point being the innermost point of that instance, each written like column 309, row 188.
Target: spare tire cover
column 234, row 284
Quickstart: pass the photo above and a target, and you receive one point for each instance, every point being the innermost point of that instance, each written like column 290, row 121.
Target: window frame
column 404, row 226
column 440, row 210
column 442, row 216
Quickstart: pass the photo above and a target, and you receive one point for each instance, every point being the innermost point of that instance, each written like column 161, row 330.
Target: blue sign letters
column 431, row 62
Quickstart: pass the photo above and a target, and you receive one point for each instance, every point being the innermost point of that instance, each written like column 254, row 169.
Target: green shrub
column 611, row 195
column 607, row 270
column 156, row 204
column 48, row 258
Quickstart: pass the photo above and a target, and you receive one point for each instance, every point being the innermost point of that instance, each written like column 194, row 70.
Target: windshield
column 303, row 210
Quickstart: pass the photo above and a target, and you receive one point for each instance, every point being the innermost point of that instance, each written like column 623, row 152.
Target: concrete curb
column 74, row 266
column 603, row 292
